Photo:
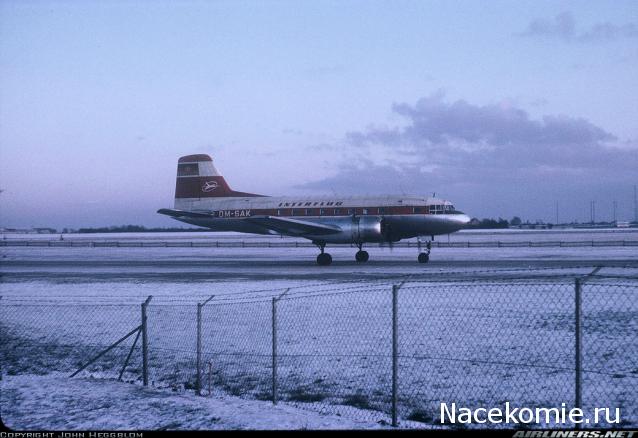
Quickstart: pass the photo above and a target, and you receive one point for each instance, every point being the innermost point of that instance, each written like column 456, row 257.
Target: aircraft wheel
column 362, row 256
column 324, row 259
column 424, row 258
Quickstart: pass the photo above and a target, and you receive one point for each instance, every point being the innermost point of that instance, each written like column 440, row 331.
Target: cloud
column 462, row 147
column 563, row 26
column 453, row 134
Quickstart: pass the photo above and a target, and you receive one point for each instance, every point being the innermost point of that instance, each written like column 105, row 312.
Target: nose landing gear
column 323, row 259
column 424, row 256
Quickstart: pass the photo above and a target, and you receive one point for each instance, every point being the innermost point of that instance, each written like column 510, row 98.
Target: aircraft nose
column 461, row 220
column 464, row 219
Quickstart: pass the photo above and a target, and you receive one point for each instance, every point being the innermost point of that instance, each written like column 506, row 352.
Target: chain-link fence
column 390, row 354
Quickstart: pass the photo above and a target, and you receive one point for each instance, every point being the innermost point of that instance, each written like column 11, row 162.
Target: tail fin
column 197, row 177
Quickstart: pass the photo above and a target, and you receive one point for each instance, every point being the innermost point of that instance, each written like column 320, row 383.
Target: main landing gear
column 424, row 256
column 323, row 259
column 361, row 256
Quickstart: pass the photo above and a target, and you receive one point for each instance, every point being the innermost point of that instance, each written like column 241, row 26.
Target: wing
column 291, row 227
column 294, row 227
column 182, row 213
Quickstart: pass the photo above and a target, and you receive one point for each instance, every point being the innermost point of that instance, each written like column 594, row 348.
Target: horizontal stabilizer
column 293, row 226
column 182, row 213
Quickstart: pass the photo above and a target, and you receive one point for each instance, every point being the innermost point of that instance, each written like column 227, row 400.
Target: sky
column 503, row 107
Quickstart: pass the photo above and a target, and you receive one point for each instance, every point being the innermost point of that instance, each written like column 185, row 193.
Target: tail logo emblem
column 209, row 186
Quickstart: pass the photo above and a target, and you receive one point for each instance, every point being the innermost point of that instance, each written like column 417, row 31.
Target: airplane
column 203, row 198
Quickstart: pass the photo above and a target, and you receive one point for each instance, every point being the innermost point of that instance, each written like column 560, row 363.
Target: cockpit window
column 436, row 209
column 440, row 209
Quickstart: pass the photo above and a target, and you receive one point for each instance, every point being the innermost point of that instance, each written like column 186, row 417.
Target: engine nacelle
column 369, row 229
column 358, row 229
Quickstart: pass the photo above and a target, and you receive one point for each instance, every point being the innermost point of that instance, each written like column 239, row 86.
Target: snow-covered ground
column 470, row 342
column 56, row 402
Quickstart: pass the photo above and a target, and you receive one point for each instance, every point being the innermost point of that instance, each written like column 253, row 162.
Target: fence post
column 3, row 238
column 274, row 346
column 145, row 342
column 578, row 338
column 274, row 350
column 578, row 345
column 198, row 379
column 395, row 354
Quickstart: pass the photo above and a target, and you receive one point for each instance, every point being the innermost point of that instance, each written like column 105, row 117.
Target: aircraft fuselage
column 407, row 217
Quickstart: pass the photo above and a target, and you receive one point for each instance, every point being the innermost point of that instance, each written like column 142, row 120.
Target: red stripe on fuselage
column 321, row 212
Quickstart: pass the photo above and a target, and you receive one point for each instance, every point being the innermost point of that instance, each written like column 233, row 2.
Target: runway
column 264, row 264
